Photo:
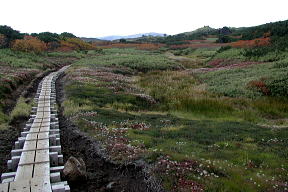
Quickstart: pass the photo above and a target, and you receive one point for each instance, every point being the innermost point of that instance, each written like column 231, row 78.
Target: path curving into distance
column 36, row 161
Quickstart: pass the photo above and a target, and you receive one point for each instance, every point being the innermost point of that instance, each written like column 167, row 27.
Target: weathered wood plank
column 41, row 184
column 27, row 157
column 46, row 128
column 42, row 155
column 23, row 186
column 31, row 136
column 36, row 124
column 42, row 169
column 34, row 130
column 46, row 123
column 24, row 172
column 43, row 135
column 4, row 187
column 28, row 145
column 43, row 144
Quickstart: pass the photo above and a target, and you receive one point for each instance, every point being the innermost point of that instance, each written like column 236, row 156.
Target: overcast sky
column 96, row 18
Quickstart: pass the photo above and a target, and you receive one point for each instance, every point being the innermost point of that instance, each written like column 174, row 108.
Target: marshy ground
column 142, row 120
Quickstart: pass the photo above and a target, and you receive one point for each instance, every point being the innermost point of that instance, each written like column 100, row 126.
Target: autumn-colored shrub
column 259, row 42
column 149, row 46
column 259, row 85
column 75, row 44
column 29, row 44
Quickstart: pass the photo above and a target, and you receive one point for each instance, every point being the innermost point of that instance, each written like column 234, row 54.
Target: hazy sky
column 94, row 18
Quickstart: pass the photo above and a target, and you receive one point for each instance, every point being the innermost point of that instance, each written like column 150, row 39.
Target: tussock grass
column 20, row 59
column 130, row 58
column 75, row 54
column 180, row 91
column 22, row 109
column 3, row 120
column 72, row 107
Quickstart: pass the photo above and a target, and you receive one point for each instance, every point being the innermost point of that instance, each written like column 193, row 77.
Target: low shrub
column 77, row 44
column 281, row 64
column 223, row 49
column 29, row 45
column 279, row 86
column 259, row 85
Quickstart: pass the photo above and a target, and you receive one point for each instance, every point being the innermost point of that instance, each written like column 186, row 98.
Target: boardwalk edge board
column 36, row 160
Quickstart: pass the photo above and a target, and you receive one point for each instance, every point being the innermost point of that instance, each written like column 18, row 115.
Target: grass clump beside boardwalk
column 194, row 136
column 19, row 69
column 22, row 109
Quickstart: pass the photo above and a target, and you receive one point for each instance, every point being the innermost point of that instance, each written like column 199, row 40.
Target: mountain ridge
column 116, row 37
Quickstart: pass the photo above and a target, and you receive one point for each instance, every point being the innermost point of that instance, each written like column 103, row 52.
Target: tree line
column 39, row 42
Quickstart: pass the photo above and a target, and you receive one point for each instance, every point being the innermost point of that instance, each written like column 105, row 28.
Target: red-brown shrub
column 29, row 44
column 259, row 85
column 251, row 43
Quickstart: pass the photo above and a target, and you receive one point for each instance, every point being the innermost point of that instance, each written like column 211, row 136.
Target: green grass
column 233, row 83
column 130, row 58
column 233, row 53
column 233, row 134
column 75, row 54
column 3, row 120
column 20, row 59
column 22, row 109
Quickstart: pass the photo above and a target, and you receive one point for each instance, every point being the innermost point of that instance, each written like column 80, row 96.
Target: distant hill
column 202, row 30
column 87, row 39
column 115, row 37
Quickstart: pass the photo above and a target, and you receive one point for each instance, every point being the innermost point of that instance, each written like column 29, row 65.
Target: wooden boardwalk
column 36, row 161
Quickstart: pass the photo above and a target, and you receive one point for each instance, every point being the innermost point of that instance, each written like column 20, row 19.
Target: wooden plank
column 27, row 157
column 43, row 109
column 45, row 120
column 28, row 145
column 42, row 169
column 36, row 124
column 37, row 121
column 39, row 115
column 38, row 131
column 32, row 136
column 46, row 128
column 43, row 144
column 34, row 130
column 44, row 104
column 4, row 187
column 24, row 172
column 42, row 156
column 43, row 135
column 23, row 186
column 46, row 123
column 41, row 185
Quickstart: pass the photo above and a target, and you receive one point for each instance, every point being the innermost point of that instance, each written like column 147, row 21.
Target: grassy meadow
column 202, row 123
